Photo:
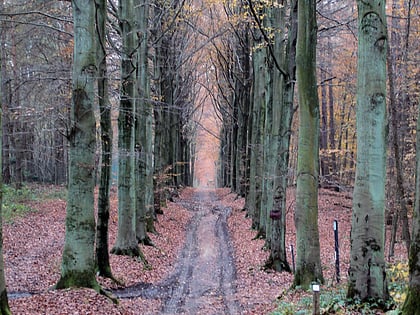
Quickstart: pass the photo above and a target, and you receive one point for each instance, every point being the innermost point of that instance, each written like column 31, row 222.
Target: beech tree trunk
column 283, row 94
column 257, row 126
column 126, row 243
column 106, row 136
column 78, row 263
column 144, row 132
column 308, row 261
column 367, row 276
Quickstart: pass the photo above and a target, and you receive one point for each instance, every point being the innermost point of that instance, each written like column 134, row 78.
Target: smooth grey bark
column 256, row 152
column 106, row 138
column 308, row 261
column 126, row 243
column 143, row 131
column 367, row 275
column 78, row 265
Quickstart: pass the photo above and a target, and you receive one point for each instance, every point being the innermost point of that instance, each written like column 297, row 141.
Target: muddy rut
column 204, row 278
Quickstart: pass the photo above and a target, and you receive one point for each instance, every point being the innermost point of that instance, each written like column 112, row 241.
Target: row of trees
column 37, row 43
column 126, row 65
column 145, row 63
column 259, row 133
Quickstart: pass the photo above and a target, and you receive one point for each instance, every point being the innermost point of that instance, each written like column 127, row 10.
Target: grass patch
column 16, row 202
column 50, row 192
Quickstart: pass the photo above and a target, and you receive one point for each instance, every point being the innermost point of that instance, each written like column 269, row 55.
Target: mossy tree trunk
column 283, row 93
column 257, row 114
column 78, row 265
column 367, row 276
column 4, row 303
column 106, row 136
column 126, row 243
column 308, row 261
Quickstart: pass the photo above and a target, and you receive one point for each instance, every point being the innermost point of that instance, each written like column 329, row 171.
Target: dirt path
column 204, row 277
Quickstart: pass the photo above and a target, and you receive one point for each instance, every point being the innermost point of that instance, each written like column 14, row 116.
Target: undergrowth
column 16, row 202
column 333, row 300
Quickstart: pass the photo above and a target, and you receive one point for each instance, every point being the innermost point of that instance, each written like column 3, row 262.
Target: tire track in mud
column 204, row 278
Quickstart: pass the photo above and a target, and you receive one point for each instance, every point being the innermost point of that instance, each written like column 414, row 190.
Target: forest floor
column 206, row 260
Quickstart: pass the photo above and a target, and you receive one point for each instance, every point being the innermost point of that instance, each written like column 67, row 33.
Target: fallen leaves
column 33, row 246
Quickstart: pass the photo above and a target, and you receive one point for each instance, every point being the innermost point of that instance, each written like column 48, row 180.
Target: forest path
column 204, row 278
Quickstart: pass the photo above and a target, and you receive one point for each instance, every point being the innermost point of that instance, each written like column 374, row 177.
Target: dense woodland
column 102, row 93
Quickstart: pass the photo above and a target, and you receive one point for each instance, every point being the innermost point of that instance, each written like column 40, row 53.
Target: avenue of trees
column 101, row 93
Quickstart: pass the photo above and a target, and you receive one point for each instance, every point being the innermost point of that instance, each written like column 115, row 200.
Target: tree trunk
column 78, row 264
column 283, row 95
column 106, row 136
column 331, row 124
column 144, row 132
column 323, row 143
column 255, row 177
column 367, row 276
column 4, row 303
column 308, row 261
column 126, row 243
column 396, row 108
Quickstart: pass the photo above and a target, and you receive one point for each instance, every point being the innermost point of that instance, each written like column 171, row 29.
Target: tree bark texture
column 144, row 131
column 308, row 261
column 283, row 93
column 106, row 136
column 126, row 243
column 367, row 276
column 256, row 152
column 78, row 262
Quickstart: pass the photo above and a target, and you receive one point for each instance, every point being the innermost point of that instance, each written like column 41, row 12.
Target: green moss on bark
column 4, row 304
column 277, row 264
column 128, row 251
column 78, row 279
column 412, row 303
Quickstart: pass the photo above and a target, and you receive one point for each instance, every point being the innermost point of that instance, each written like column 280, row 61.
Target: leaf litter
column 33, row 246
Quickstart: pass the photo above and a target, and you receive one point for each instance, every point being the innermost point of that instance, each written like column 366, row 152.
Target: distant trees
column 412, row 301
column 4, row 303
column 37, row 60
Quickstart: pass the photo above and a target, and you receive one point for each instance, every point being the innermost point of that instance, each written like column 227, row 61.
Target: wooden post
column 316, row 309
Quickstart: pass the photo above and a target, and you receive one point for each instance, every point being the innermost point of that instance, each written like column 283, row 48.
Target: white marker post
column 316, row 309
column 336, row 251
